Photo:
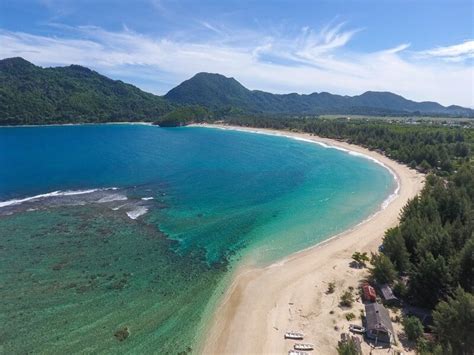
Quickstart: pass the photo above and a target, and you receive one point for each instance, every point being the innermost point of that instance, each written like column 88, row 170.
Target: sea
column 123, row 238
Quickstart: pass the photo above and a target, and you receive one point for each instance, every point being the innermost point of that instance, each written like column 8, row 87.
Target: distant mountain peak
column 218, row 91
column 15, row 60
column 15, row 63
column 29, row 92
column 210, row 89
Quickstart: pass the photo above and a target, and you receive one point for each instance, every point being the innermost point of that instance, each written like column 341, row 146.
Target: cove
column 147, row 222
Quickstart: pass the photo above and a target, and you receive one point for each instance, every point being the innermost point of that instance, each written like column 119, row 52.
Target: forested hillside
column 218, row 92
column 73, row 94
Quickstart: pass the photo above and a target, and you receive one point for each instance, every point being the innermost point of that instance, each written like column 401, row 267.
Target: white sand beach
column 263, row 303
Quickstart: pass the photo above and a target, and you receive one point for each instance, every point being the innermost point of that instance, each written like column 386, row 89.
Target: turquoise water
column 147, row 223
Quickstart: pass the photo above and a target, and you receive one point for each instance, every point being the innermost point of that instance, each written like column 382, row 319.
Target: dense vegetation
column 215, row 91
column 33, row 95
column 181, row 115
column 434, row 247
column 434, row 243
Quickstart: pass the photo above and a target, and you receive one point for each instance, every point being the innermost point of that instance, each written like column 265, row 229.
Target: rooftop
column 387, row 292
column 378, row 318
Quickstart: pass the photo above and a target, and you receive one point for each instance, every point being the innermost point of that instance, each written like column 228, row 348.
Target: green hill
column 217, row 92
column 33, row 95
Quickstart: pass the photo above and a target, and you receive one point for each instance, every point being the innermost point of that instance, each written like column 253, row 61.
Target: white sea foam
column 147, row 198
column 111, row 198
column 49, row 194
column 58, row 193
column 139, row 211
column 119, row 207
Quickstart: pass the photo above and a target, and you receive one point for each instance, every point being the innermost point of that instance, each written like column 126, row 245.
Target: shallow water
column 77, row 268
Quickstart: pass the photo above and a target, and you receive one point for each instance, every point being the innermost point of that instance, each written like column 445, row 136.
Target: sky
column 422, row 50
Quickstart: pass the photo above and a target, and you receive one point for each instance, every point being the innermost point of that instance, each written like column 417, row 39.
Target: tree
column 466, row 263
column 413, row 328
column 454, row 322
column 426, row 347
column 360, row 258
column 430, row 281
column 383, row 270
column 347, row 348
column 425, row 166
column 394, row 247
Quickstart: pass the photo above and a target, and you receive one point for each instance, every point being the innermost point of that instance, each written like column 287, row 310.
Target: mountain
column 30, row 94
column 33, row 95
column 217, row 91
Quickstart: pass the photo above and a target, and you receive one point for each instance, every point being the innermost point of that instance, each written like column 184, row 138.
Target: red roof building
column 369, row 293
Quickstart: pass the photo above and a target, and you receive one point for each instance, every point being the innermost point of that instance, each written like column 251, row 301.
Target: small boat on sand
column 297, row 352
column 356, row 329
column 294, row 335
column 304, row 347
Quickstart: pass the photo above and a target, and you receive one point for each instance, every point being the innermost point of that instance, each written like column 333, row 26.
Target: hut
column 378, row 323
column 387, row 295
column 369, row 293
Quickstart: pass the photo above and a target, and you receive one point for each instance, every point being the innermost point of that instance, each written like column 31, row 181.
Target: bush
column 331, row 287
column 350, row 316
column 413, row 328
column 347, row 299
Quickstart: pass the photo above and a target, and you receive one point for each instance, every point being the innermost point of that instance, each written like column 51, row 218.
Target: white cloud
column 303, row 62
column 456, row 52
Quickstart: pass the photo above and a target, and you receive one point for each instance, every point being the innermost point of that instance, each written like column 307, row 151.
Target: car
column 354, row 328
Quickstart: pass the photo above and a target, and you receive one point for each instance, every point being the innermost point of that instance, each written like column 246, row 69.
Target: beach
column 262, row 303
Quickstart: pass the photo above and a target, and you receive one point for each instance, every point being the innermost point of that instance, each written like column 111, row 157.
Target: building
column 387, row 295
column 369, row 293
column 378, row 323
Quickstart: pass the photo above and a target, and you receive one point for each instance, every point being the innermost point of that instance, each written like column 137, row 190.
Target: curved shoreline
column 261, row 304
column 317, row 140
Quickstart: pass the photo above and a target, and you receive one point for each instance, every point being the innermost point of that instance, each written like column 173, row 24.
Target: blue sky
column 423, row 50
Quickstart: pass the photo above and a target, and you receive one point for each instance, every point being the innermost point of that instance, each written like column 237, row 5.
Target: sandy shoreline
column 263, row 303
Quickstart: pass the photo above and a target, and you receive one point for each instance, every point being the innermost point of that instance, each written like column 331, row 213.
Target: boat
column 304, row 347
column 356, row 329
column 294, row 335
column 297, row 352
